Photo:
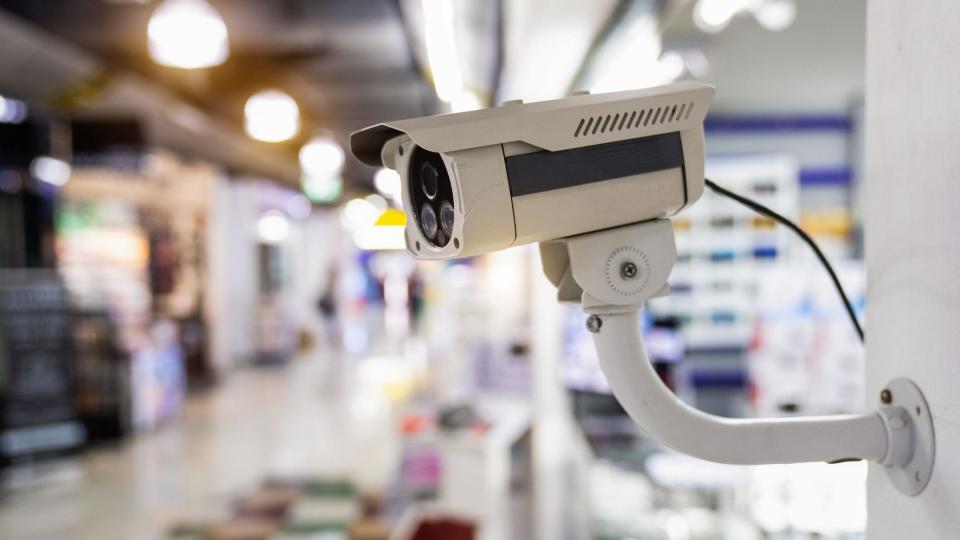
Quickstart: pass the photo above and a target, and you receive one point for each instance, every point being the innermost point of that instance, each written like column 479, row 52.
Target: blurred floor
column 260, row 422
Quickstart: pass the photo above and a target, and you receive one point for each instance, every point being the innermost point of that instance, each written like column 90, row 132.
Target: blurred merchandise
column 39, row 419
column 102, row 377
column 157, row 381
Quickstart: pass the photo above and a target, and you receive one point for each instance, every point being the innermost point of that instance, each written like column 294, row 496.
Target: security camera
column 485, row 180
column 592, row 177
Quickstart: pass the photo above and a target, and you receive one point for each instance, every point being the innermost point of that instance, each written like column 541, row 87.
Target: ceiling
column 348, row 63
column 352, row 63
column 817, row 64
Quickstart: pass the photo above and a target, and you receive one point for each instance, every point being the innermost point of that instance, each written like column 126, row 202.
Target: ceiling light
column 50, row 170
column 638, row 63
column 359, row 213
column 671, row 65
column 322, row 156
column 441, row 43
column 273, row 227
column 712, row 16
column 12, row 111
column 776, row 15
column 187, row 34
column 271, row 116
column 387, row 182
column 321, row 189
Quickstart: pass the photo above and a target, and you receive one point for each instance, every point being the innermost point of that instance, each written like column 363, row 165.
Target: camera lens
column 446, row 217
column 431, row 196
column 428, row 220
column 429, row 180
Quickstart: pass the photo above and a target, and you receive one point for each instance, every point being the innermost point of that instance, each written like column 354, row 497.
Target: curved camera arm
column 613, row 272
column 666, row 418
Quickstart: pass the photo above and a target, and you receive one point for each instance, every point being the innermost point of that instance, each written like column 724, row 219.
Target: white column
column 912, row 213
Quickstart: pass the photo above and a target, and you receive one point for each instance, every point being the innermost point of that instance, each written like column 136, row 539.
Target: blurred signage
column 37, row 414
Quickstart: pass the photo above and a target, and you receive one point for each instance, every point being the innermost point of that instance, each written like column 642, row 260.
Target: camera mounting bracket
column 613, row 272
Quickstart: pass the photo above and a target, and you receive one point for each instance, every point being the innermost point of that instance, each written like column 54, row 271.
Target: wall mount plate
column 912, row 478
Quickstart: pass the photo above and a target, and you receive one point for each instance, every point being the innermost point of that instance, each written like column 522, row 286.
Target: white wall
column 912, row 211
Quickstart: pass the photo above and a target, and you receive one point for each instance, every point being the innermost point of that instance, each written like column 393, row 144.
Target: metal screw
column 628, row 270
column 594, row 323
column 885, row 396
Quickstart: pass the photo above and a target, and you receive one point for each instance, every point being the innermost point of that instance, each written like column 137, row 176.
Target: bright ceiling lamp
column 322, row 190
column 638, row 63
column 12, row 111
column 712, row 16
column 321, row 157
column 271, row 116
column 358, row 213
column 51, row 170
column 775, row 15
column 273, row 227
column 187, row 34
column 438, row 24
column 387, row 182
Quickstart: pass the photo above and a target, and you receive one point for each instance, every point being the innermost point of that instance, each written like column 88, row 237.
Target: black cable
column 761, row 209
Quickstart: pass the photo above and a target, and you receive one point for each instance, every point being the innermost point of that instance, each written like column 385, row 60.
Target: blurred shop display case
column 38, row 418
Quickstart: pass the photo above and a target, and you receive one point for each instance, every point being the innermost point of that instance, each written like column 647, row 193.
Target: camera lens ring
column 429, row 180
column 422, row 165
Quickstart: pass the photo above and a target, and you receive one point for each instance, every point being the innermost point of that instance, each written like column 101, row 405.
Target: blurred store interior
column 209, row 327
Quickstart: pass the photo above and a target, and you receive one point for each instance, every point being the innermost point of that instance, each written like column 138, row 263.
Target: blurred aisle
column 261, row 422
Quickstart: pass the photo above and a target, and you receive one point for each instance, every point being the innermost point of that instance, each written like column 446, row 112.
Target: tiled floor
column 259, row 422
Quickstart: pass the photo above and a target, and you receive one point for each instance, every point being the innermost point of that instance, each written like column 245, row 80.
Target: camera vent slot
column 633, row 119
column 596, row 125
column 606, row 121
column 586, row 130
column 579, row 127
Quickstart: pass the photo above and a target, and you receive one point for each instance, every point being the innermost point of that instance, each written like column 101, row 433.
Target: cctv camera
column 485, row 180
column 590, row 177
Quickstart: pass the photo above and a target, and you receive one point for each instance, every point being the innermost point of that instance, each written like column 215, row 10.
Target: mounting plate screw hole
column 594, row 323
column 456, row 243
column 918, row 411
column 885, row 396
column 417, row 245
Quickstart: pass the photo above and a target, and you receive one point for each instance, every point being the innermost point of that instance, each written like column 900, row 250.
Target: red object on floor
column 444, row 529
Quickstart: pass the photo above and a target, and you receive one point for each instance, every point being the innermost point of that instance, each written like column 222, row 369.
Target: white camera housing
column 522, row 173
